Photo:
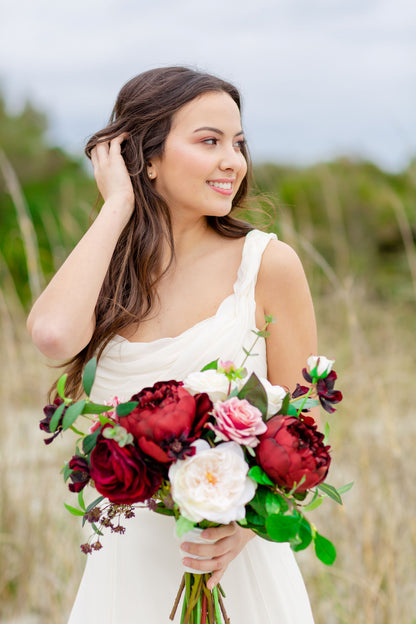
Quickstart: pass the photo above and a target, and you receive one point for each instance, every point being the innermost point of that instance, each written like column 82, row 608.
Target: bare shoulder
column 280, row 271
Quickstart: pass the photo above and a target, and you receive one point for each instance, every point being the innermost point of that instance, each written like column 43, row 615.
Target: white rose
column 212, row 484
column 275, row 396
column 319, row 366
column 215, row 384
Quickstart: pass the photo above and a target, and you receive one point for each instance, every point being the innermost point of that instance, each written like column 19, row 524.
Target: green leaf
column 254, row 392
column 183, row 525
column 89, row 442
column 254, row 518
column 125, row 408
column 330, row 491
column 54, row 422
column 74, row 511
column 300, row 402
column 96, row 408
column 269, row 318
column 345, row 488
column 266, row 502
column 326, row 433
column 60, row 386
column 164, row 511
column 314, row 503
column 72, row 413
column 282, row 528
column 81, row 502
column 94, row 503
column 291, row 410
column 303, row 537
column 88, row 375
column 66, row 471
column 259, row 476
column 285, row 405
column 96, row 529
column 77, row 431
column 212, row 365
column 324, row 549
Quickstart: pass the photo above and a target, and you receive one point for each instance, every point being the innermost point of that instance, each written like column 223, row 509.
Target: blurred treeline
column 360, row 220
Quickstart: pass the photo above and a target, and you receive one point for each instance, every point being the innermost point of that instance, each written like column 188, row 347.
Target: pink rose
column 237, row 420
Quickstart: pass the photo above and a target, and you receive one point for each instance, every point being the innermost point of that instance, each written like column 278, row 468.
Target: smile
column 225, row 188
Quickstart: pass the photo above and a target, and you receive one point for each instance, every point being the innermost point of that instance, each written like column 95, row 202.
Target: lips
column 225, row 187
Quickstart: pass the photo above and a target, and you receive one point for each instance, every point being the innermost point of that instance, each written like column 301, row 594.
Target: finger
column 215, row 579
column 217, row 533
column 115, row 143
column 221, row 547
column 102, row 149
column 205, row 565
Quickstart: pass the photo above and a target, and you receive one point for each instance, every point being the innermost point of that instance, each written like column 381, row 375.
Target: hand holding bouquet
column 216, row 448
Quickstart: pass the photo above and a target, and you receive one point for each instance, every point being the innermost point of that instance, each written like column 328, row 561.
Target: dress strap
column 254, row 246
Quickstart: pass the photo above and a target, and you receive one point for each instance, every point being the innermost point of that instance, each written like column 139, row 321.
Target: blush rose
column 237, row 420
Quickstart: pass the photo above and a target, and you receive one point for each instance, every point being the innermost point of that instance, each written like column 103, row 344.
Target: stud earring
column 150, row 175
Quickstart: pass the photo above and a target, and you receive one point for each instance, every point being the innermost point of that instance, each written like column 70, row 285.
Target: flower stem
column 258, row 335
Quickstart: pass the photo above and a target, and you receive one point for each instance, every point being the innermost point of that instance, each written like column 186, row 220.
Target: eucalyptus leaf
column 301, row 403
column 88, row 375
column 94, row 503
column 96, row 529
column 81, row 502
column 67, row 471
column 324, row 549
column 72, row 413
column 60, row 386
column 330, row 491
column 326, row 433
column 345, row 488
column 54, row 422
column 89, row 442
column 96, row 408
column 124, row 409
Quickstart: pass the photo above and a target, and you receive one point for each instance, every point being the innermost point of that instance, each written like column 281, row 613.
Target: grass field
column 372, row 435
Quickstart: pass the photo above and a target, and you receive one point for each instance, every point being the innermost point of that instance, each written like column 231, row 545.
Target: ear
column 151, row 171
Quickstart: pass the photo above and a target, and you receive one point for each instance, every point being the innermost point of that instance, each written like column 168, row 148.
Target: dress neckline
column 120, row 339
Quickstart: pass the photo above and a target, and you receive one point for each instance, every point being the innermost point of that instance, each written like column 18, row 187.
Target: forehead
column 215, row 109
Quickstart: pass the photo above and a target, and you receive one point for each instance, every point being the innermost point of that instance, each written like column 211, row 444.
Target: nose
column 232, row 159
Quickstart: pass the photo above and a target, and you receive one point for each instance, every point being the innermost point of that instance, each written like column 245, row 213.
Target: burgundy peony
column 167, row 420
column 80, row 474
column 292, row 449
column 120, row 473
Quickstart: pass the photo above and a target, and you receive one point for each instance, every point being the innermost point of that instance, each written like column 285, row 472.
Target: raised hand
column 110, row 171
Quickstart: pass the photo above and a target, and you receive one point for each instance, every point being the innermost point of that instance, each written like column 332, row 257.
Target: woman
column 164, row 281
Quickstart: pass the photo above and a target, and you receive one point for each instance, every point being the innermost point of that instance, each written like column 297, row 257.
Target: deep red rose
column 291, row 449
column 167, row 420
column 120, row 473
column 80, row 474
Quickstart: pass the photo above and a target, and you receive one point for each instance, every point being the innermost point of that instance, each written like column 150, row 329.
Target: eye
column 211, row 141
column 240, row 144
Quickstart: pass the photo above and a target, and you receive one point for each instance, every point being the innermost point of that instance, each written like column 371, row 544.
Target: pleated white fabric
column 135, row 577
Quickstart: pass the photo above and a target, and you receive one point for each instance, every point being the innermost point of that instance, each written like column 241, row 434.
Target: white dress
column 135, row 577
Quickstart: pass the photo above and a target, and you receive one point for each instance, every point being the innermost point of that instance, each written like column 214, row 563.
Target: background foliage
column 354, row 227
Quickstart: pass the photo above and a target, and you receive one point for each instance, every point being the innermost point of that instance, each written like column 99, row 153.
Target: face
column 202, row 165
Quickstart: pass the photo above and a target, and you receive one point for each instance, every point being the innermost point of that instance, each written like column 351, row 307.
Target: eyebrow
column 210, row 129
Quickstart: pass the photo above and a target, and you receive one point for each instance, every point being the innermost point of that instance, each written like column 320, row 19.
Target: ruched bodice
column 135, row 577
column 125, row 367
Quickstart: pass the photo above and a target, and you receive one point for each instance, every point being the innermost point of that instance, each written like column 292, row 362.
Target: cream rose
column 215, row 384
column 212, row 484
column 275, row 397
column 319, row 366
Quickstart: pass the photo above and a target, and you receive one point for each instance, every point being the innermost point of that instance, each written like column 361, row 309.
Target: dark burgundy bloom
column 120, row 473
column 325, row 389
column 44, row 424
column 300, row 391
column 80, row 474
column 292, row 449
column 167, row 420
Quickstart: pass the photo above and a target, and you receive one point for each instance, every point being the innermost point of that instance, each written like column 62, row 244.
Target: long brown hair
column 144, row 109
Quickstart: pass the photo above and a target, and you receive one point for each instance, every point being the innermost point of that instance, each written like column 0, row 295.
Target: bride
column 164, row 281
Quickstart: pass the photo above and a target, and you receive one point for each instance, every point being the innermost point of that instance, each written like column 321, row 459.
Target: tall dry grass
column 372, row 435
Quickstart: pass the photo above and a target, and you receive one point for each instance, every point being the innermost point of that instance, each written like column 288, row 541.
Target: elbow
column 51, row 339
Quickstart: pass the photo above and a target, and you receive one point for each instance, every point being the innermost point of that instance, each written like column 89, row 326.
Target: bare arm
column 282, row 290
column 62, row 319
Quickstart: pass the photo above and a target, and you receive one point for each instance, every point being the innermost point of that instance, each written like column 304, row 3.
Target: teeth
column 222, row 185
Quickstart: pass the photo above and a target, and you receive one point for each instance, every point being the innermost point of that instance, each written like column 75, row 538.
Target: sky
column 319, row 78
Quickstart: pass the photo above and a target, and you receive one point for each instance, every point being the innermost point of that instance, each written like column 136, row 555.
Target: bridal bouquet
column 218, row 447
